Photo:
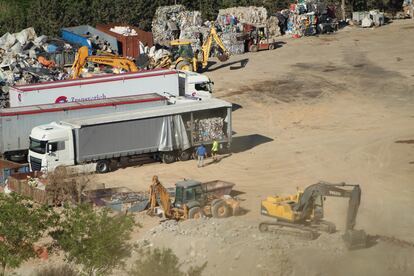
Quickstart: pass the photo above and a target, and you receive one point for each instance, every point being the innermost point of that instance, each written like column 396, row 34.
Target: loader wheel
column 184, row 65
column 253, row 48
column 195, row 213
column 102, row 166
column 220, row 210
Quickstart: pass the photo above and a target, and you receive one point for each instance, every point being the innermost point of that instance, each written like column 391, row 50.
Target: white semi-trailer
column 17, row 123
column 162, row 81
column 164, row 133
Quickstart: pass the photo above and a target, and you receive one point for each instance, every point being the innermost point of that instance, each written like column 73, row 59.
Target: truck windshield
column 38, row 146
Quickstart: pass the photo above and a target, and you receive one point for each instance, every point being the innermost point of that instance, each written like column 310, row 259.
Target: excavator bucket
column 355, row 239
column 222, row 57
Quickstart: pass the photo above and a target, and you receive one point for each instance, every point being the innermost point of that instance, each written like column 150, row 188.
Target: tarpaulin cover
column 173, row 134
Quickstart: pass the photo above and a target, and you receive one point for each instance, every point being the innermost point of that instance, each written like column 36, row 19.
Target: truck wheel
column 102, row 166
column 195, row 213
column 168, row 157
column 220, row 210
column 184, row 65
column 253, row 48
column 184, row 155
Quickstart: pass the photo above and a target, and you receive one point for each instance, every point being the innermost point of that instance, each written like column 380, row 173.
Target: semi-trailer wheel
column 102, row 166
column 184, row 155
column 220, row 210
column 195, row 213
column 169, row 157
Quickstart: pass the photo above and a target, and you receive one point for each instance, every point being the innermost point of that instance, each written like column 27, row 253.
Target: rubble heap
column 173, row 22
column 231, row 22
column 23, row 59
column 309, row 17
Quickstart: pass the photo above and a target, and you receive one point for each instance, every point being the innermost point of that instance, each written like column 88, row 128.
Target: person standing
column 201, row 153
column 214, row 149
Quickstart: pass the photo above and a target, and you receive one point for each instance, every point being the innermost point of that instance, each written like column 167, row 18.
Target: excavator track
column 286, row 228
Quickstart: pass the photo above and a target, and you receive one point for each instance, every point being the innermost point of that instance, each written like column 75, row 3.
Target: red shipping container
column 128, row 44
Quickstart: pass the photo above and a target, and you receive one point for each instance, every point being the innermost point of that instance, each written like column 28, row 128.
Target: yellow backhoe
column 303, row 213
column 184, row 58
column 112, row 60
column 193, row 199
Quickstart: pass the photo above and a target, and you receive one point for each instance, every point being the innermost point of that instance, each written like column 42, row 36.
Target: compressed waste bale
column 209, row 129
column 165, row 23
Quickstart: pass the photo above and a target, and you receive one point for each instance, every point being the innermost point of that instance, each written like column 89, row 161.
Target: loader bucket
column 355, row 239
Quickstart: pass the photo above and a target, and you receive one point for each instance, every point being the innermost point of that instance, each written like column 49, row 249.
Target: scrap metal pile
column 209, row 129
column 232, row 20
column 25, row 58
column 309, row 17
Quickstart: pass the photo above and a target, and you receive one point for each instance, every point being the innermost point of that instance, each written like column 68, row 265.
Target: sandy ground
column 335, row 108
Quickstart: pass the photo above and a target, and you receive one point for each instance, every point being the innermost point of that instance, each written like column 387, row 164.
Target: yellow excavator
column 184, row 58
column 303, row 213
column 108, row 59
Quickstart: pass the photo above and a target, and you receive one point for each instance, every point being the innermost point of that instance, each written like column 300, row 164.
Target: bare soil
column 336, row 108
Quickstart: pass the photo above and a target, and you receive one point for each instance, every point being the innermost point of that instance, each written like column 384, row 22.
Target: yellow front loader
column 184, row 58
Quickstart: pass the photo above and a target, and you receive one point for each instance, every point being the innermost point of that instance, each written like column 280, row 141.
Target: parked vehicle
column 164, row 133
column 17, row 123
column 163, row 81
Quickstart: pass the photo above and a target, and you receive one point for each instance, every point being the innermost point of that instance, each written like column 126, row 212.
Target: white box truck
column 17, row 123
column 163, row 81
column 165, row 133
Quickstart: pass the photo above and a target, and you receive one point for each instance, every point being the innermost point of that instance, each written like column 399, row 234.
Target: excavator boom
column 115, row 61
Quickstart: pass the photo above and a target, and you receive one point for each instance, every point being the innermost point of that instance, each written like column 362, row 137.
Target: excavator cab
column 183, row 55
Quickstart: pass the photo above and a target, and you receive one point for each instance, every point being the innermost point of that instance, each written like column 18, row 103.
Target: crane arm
column 307, row 199
column 206, row 48
column 115, row 61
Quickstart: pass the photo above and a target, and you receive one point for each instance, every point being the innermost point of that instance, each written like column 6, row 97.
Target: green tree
column 96, row 240
column 162, row 262
column 21, row 225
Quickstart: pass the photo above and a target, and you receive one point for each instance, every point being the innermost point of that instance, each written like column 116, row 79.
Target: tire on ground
column 102, row 166
column 184, row 155
column 195, row 213
column 253, row 48
column 184, row 65
column 168, row 157
column 271, row 46
column 220, row 210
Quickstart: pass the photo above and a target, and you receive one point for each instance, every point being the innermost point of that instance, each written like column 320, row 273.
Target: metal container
column 129, row 45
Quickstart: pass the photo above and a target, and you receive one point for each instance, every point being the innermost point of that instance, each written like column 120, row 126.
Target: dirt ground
column 336, row 108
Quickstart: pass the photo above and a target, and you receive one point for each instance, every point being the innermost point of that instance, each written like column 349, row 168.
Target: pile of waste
column 209, row 129
column 232, row 21
column 309, row 17
column 170, row 21
column 28, row 58
column 123, row 30
column 368, row 19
